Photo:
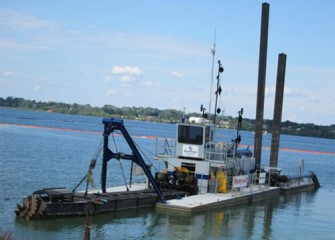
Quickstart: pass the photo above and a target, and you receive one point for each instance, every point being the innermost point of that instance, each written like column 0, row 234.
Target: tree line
column 167, row 115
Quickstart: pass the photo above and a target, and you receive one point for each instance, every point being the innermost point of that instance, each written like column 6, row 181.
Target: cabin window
column 190, row 134
column 207, row 134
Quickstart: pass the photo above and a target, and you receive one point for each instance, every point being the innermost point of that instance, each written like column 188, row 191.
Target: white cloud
column 127, row 74
column 8, row 43
column 110, row 92
column 108, row 79
column 37, row 88
column 25, row 32
column 270, row 91
column 301, row 108
column 127, row 70
column 149, row 44
column 177, row 74
column 12, row 20
column 288, row 91
column 150, row 84
column 6, row 74
column 314, row 99
column 127, row 78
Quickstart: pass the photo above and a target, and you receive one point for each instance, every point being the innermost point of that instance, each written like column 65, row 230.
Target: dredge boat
column 201, row 172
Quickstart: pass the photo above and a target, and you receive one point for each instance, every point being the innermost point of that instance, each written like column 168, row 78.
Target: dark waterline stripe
column 67, row 129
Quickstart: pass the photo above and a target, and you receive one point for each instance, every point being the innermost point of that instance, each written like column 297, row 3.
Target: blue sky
column 158, row 54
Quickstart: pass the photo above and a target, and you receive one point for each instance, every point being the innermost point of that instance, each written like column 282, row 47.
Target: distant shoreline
column 147, row 137
column 165, row 116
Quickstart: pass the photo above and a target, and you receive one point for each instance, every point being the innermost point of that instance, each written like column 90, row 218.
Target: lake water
column 39, row 150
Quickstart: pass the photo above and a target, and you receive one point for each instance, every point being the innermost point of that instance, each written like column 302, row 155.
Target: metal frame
column 111, row 124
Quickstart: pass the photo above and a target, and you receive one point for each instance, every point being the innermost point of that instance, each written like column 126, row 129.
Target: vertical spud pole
column 278, row 108
column 261, row 84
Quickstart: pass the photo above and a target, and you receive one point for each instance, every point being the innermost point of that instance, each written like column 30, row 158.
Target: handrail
column 218, row 151
column 165, row 147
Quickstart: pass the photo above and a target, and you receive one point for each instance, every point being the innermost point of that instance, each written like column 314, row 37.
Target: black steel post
column 278, row 107
column 261, row 83
column 105, row 159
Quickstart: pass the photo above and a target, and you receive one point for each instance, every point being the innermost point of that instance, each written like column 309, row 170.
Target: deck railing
column 218, row 151
column 165, row 147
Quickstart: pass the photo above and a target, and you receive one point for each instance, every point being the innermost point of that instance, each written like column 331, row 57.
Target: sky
column 158, row 54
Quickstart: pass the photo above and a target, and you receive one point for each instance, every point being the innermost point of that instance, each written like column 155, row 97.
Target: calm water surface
column 57, row 153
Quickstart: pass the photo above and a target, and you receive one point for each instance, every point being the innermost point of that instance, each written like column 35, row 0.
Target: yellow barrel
column 222, row 181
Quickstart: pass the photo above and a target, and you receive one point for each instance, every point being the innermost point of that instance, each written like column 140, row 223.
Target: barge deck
column 210, row 201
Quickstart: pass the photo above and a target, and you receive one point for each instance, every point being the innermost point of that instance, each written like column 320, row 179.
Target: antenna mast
column 213, row 53
column 218, row 91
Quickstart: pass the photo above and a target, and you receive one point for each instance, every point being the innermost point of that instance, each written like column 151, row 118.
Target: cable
column 124, row 177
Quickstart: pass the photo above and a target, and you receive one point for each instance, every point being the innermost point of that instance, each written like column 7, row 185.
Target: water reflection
column 243, row 222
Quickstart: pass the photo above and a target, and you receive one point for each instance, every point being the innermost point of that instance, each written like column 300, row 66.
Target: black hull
column 76, row 204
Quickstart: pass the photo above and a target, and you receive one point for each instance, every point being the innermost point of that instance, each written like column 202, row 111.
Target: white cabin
column 195, row 149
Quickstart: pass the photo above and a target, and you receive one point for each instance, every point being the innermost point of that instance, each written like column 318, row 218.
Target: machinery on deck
column 63, row 201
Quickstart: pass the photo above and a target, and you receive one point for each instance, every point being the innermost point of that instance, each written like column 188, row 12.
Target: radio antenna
column 213, row 53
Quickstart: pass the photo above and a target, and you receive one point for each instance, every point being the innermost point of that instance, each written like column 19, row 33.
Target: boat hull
column 38, row 206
